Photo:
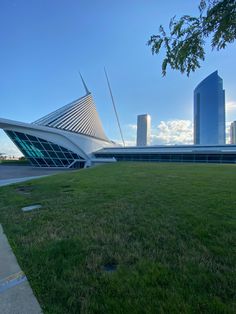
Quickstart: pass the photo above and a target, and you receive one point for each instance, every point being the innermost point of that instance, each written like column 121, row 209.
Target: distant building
column 143, row 130
column 233, row 132
column 170, row 153
column 209, row 111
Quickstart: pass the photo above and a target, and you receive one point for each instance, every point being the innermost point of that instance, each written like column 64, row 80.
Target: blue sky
column 44, row 44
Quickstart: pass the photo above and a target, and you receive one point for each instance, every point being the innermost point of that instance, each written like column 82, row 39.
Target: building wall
column 171, row 153
column 209, row 111
column 205, row 157
column 143, row 130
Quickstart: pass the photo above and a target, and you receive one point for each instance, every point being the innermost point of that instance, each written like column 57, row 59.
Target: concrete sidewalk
column 14, row 172
column 10, row 174
column 18, row 180
column 16, row 295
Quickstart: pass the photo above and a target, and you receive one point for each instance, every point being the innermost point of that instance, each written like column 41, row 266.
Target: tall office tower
column 209, row 111
column 233, row 132
column 143, row 130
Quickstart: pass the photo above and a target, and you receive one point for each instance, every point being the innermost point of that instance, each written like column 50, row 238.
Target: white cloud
column 173, row 132
column 128, row 142
column 129, row 132
column 7, row 147
column 167, row 132
column 132, row 126
column 230, row 106
column 227, row 132
column 230, row 115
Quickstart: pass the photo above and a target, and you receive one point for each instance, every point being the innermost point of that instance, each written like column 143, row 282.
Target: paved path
column 17, row 180
column 12, row 171
column 10, row 174
column 16, row 295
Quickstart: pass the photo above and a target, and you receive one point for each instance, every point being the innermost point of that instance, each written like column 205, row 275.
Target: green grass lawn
column 128, row 238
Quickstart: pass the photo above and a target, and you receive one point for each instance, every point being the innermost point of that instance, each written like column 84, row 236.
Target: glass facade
column 209, row 111
column 42, row 153
column 220, row 157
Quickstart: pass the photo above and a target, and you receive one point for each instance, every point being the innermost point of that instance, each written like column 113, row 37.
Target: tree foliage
column 185, row 40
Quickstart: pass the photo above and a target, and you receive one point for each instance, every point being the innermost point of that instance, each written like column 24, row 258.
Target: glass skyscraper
column 209, row 111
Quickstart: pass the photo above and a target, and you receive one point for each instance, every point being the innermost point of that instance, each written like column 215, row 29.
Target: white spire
column 85, row 86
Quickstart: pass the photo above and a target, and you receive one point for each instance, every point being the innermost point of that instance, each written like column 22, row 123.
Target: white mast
column 114, row 106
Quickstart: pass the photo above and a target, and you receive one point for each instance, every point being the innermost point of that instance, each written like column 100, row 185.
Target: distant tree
column 22, row 158
column 184, row 43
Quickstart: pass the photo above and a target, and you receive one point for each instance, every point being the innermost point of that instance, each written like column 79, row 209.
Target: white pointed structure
column 85, row 86
column 79, row 116
column 114, row 107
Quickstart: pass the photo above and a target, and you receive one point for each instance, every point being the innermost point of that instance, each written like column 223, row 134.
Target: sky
column 45, row 43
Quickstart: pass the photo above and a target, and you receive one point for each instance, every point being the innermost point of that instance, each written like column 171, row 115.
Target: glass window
column 52, row 154
column 65, row 162
column 47, row 146
column 188, row 157
column 21, row 136
column 33, row 161
column 55, row 147
column 200, row 157
column 214, row 157
column 43, row 141
column 165, row 157
column 42, row 153
column 50, row 162
column 61, row 155
column 58, row 162
column 42, row 162
column 68, row 155
column 228, row 157
column 75, row 156
column 176, row 157
column 32, row 138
